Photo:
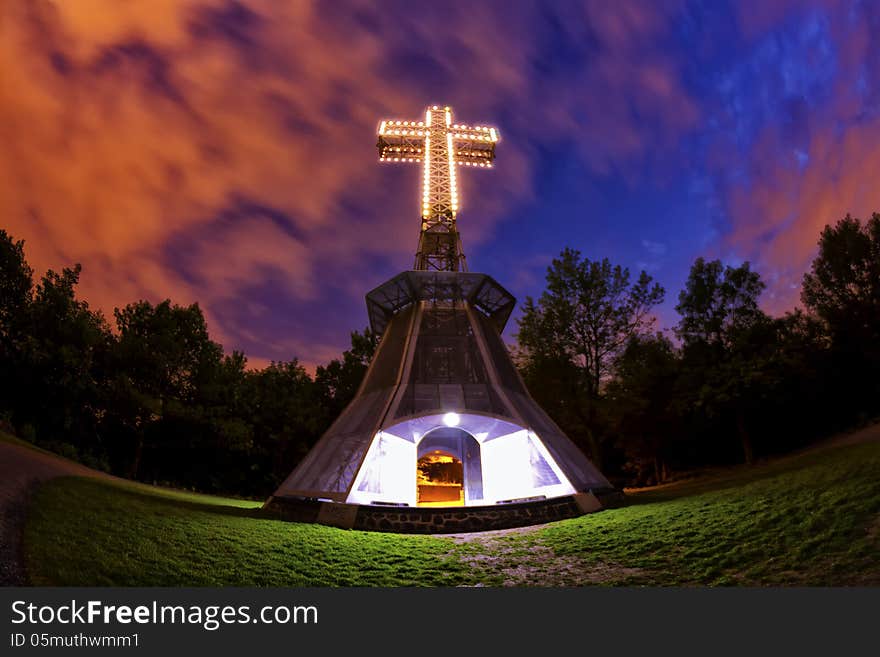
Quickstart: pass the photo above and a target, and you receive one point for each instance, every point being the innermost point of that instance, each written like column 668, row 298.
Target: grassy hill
column 812, row 519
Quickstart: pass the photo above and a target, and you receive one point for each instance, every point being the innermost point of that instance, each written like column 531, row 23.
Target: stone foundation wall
column 421, row 520
column 464, row 519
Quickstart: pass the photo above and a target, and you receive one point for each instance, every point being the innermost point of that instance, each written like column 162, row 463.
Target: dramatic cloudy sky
column 223, row 152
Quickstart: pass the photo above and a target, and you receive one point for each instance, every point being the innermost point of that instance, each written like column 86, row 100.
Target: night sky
column 224, row 152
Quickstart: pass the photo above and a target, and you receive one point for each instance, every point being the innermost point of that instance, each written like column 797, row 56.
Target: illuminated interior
column 456, row 459
column 440, row 480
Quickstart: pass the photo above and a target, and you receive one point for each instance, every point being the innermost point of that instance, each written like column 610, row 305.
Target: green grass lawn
column 813, row 519
column 810, row 520
column 88, row 532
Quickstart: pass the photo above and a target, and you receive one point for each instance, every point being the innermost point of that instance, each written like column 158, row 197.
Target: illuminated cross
column 440, row 145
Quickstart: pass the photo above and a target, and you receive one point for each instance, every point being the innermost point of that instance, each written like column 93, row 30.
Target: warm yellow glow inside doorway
column 440, row 478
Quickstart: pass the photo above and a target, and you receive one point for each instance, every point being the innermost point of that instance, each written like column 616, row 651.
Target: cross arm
column 473, row 145
column 401, row 141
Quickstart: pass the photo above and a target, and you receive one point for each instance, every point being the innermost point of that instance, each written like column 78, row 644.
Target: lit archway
column 439, row 480
column 448, row 468
column 501, row 462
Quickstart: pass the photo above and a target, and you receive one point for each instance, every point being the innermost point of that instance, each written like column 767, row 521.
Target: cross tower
column 439, row 145
column 442, row 419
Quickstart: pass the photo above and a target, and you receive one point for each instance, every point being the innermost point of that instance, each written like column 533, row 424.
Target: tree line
column 731, row 384
column 152, row 397
column 155, row 399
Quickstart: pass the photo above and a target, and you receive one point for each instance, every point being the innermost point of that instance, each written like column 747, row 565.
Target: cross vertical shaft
column 440, row 146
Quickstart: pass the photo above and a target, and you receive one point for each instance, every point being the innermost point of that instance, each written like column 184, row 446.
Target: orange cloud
column 195, row 150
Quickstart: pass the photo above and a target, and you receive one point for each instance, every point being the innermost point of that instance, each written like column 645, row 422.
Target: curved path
column 22, row 469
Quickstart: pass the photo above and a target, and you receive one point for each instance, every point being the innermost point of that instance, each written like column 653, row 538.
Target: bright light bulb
column 451, row 419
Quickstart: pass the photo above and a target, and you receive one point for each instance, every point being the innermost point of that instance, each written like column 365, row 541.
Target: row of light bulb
column 418, row 151
column 422, row 133
column 426, row 205
column 474, row 137
column 452, row 186
column 418, row 159
column 414, row 133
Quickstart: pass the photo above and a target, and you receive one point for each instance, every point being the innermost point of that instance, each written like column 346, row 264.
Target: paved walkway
column 22, row 469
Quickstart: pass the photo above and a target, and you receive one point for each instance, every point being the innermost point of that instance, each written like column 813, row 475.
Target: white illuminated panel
column 481, row 427
column 388, row 474
column 515, row 463
column 506, row 471
column 518, row 466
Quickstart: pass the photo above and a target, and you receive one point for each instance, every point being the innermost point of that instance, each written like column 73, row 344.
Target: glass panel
column 542, row 473
column 446, row 351
column 388, row 359
column 332, row 463
column 504, row 366
column 387, row 474
column 473, row 470
column 516, row 468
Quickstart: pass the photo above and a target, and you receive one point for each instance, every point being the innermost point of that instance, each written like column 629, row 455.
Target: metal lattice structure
column 441, row 376
column 440, row 146
column 478, row 290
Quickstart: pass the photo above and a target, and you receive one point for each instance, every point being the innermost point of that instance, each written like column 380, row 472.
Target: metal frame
column 480, row 290
column 439, row 145
column 426, row 381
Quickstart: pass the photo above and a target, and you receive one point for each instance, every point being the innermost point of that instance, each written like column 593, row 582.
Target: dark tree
column 339, row 380
column 288, row 416
column 843, row 290
column 16, row 289
column 66, row 351
column 162, row 356
column 642, row 406
column 794, row 394
column 570, row 338
column 213, row 435
column 843, row 285
column 718, row 303
column 723, row 330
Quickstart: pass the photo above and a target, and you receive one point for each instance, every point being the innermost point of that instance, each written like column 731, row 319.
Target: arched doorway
column 448, row 470
column 440, row 479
